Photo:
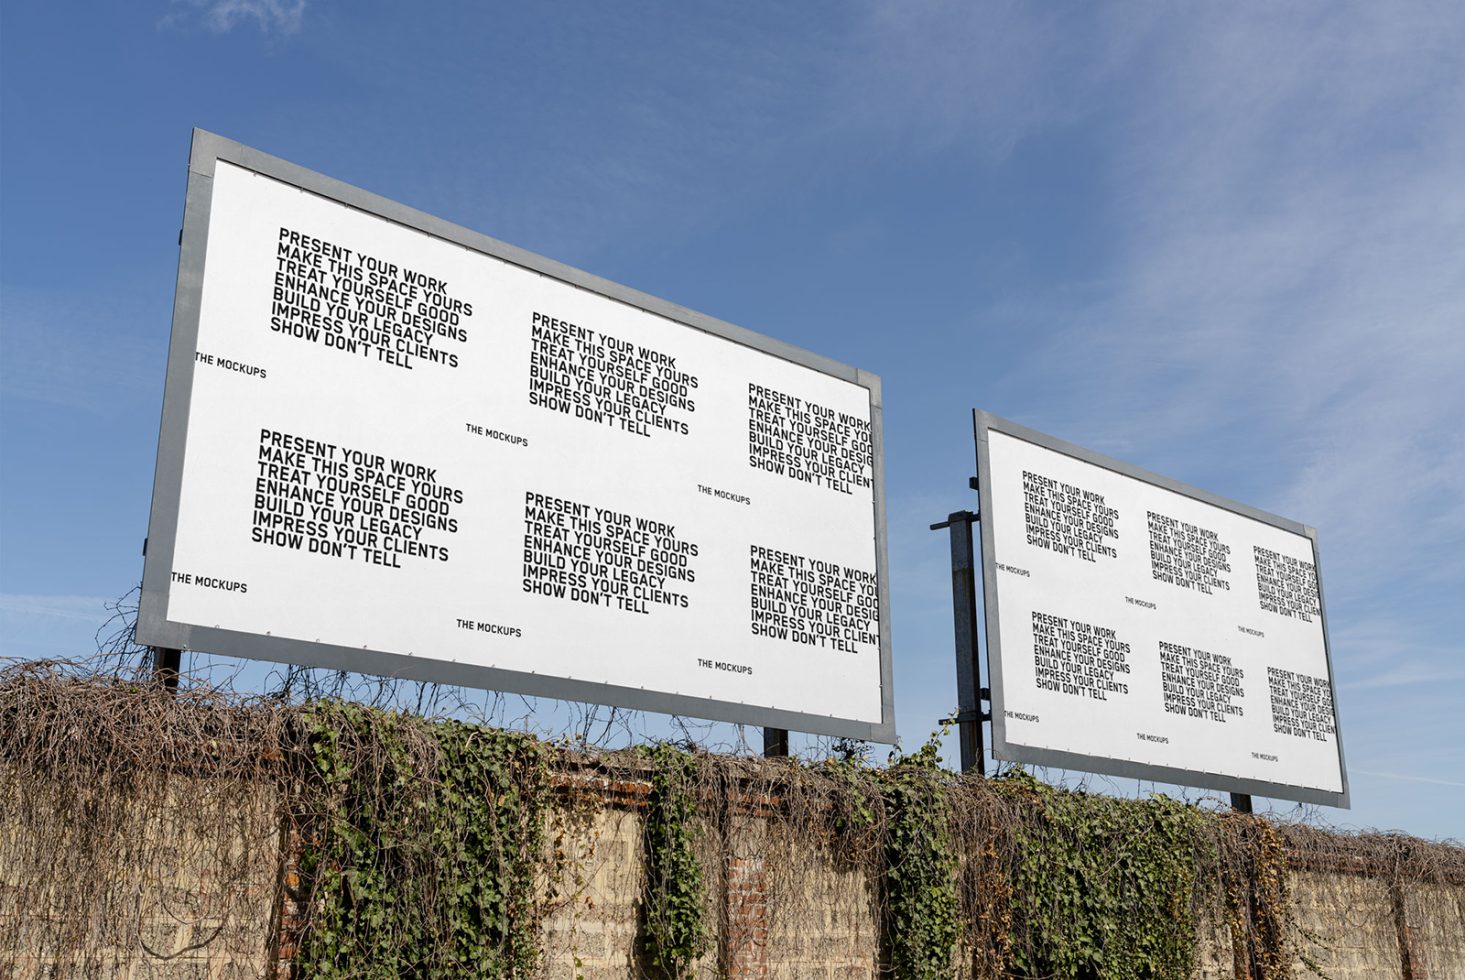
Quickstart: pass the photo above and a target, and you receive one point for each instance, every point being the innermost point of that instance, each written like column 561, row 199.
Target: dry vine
column 137, row 826
column 116, row 802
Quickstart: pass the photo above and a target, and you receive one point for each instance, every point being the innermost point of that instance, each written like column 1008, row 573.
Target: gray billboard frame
column 985, row 422
column 155, row 629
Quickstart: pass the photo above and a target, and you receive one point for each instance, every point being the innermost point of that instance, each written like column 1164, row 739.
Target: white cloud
column 1280, row 306
column 222, row 16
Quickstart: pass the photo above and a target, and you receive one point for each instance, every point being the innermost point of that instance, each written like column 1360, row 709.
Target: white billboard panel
column 1140, row 627
column 393, row 445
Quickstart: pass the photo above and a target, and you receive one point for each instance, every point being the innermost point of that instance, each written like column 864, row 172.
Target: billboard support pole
column 167, row 665
column 1241, row 802
column 969, row 692
column 775, row 743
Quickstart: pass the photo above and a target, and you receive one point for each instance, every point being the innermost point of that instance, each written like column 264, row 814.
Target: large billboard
column 1141, row 627
column 393, row 445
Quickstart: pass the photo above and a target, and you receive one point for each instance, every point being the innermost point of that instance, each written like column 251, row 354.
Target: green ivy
column 424, row 842
column 1104, row 887
column 423, row 858
column 921, row 925
column 674, row 918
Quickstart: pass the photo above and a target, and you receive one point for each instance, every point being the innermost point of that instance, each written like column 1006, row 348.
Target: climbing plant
column 1253, row 872
column 673, row 908
column 421, row 859
column 920, row 867
column 435, row 849
column 1104, row 887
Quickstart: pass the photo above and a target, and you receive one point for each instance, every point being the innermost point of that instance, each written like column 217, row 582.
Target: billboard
column 1140, row 627
column 393, row 445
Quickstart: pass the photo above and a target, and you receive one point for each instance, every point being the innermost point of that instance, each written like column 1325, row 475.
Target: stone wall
column 196, row 917
column 1433, row 926
column 1347, row 924
column 594, row 935
column 204, row 908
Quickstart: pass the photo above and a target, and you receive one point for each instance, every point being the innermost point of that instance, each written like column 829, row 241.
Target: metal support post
column 969, row 692
column 775, row 742
column 167, row 664
column 1241, row 803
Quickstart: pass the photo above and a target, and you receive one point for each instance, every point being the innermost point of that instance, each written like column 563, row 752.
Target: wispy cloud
column 63, row 626
column 1407, row 778
column 1390, row 650
column 81, row 351
column 1279, row 299
column 82, row 608
column 222, row 16
column 931, row 74
column 1282, row 305
column 1274, row 299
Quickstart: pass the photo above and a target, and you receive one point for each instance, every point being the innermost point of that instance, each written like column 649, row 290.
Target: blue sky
column 1220, row 242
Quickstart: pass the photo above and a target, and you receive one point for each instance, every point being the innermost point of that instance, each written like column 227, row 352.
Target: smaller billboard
column 1140, row 627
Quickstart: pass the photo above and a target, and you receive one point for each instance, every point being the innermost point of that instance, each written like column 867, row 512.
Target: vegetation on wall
column 920, row 867
column 100, row 792
column 421, row 848
column 1104, row 887
column 673, row 907
column 421, row 856
column 1252, row 874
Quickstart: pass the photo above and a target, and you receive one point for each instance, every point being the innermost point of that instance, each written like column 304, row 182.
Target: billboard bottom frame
column 154, row 631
